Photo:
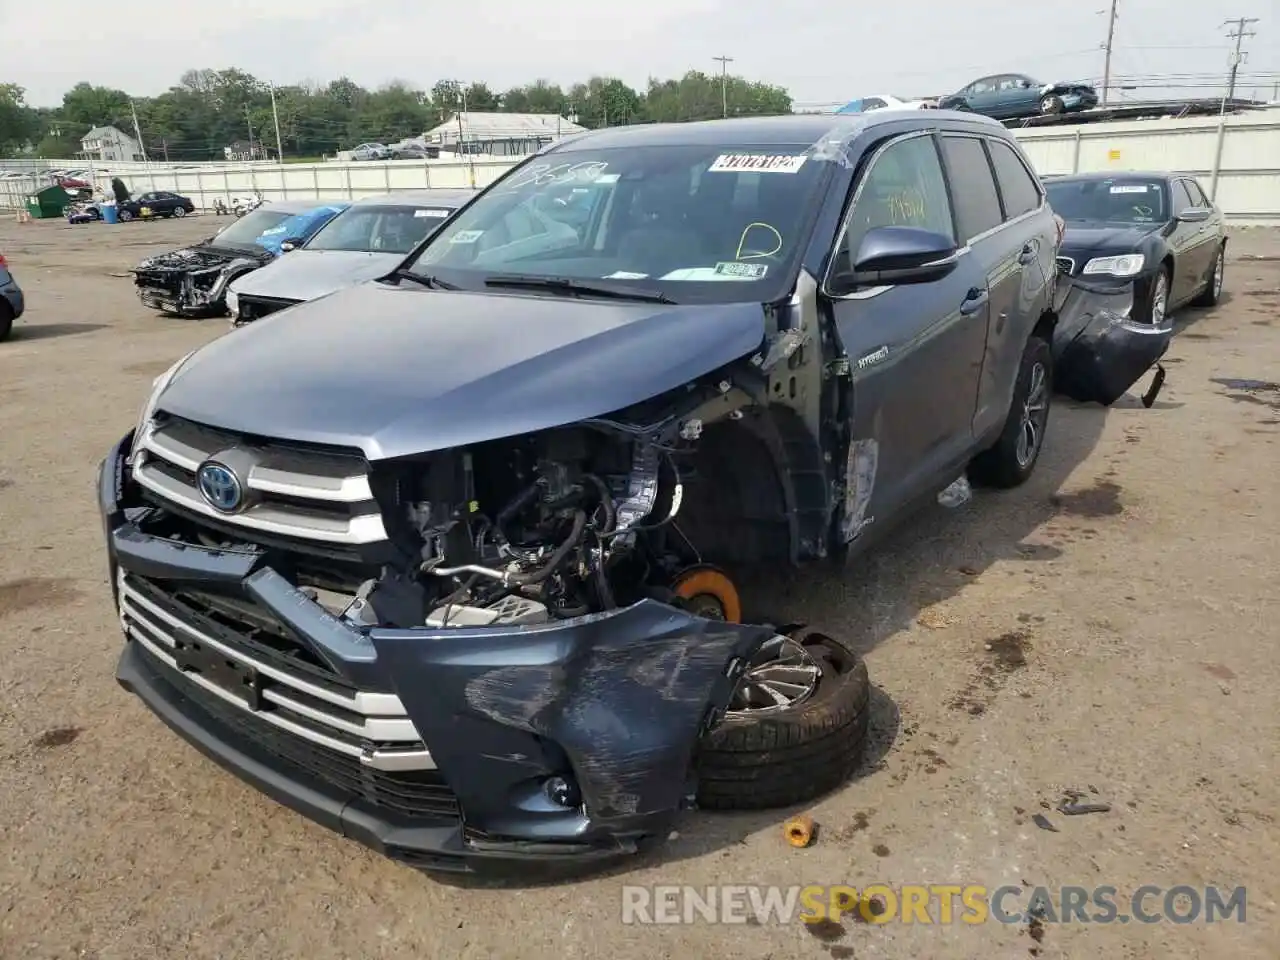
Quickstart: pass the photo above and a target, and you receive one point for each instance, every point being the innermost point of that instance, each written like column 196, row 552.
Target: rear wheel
column 1013, row 457
column 1209, row 296
column 796, row 727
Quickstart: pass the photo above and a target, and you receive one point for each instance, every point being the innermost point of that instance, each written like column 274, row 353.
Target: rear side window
column 973, row 189
column 1018, row 188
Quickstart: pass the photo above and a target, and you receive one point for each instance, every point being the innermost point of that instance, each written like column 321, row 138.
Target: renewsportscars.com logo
column 930, row 904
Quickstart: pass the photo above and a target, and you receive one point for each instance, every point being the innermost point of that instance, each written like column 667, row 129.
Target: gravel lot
column 1103, row 628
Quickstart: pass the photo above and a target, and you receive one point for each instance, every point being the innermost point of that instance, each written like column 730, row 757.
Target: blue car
column 300, row 227
column 12, row 302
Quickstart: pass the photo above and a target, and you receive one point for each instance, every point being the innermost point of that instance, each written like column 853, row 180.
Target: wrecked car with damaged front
column 192, row 281
column 454, row 561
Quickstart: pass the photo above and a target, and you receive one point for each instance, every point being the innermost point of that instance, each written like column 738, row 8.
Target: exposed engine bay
column 194, row 279
column 554, row 525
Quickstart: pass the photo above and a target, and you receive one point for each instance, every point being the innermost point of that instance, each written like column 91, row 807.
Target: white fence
column 1236, row 157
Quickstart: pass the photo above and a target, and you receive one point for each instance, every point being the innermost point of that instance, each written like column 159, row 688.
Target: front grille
column 414, row 793
column 253, row 307
column 271, row 683
column 1066, row 265
column 289, row 491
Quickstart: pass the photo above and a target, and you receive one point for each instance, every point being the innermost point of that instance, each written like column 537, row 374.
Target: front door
column 914, row 350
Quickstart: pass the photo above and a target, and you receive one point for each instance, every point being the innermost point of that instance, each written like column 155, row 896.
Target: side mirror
column 896, row 255
column 1026, row 84
column 1195, row 214
column 293, row 243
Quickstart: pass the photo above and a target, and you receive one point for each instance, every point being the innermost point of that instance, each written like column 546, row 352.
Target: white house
column 109, row 143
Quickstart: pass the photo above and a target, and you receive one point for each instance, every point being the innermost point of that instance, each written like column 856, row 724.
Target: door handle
column 1027, row 255
column 975, row 301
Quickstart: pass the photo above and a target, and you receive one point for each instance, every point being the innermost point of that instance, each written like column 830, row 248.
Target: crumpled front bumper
column 609, row 706
column 1099, row 350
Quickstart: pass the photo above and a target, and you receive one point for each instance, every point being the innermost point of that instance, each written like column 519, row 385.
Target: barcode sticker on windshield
column 1129, row 188
column 756, row 163
column 430, row 213
column 744, row 271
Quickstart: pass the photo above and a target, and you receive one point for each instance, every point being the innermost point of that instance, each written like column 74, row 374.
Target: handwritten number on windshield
column 547, row 174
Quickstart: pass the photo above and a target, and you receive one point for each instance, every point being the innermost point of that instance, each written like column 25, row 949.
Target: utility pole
column 1106, row 63
column 1237, row 57
column 164, row 145
column 275, row 116
column 137, row 132
column 249, row 121
column 724, row 83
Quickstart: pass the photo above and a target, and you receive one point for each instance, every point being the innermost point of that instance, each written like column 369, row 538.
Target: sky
column 822, row 51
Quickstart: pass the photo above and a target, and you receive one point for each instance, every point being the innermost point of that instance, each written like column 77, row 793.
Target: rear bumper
column 565, row 743
column 12, row 294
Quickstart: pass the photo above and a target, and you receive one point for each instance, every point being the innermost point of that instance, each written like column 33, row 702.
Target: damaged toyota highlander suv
column 446, row 560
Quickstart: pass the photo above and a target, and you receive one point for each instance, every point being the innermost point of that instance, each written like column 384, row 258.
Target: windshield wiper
column 573, row 287
column 425, row 279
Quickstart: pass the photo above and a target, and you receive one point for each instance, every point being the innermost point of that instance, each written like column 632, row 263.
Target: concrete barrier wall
column 1237, row 158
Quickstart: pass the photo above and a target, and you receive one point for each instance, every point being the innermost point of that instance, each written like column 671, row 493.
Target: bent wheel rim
column 1218, row 268
column 779, row 677
column 1035, row 411
column 1159, row 301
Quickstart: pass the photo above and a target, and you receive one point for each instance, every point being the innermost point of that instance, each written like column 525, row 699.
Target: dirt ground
column 1103, row 628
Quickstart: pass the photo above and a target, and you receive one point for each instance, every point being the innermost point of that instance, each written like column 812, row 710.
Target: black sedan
column 1158, row 231
column 160, row 203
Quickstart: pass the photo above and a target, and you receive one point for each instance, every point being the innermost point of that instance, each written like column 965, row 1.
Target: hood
column 1099, row 237
column 443, row 369
column 308, row 274
column 200, row 257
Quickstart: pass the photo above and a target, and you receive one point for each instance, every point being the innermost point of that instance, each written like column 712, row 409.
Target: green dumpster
column 48, row 202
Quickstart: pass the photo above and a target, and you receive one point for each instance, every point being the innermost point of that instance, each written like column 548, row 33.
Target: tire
column 1003, row 465
column 1052, row 105
column 125, row 216
column 778, row 759
column 1213, row 291
column 1145, row 311
column 6, row 320
column 179, row 212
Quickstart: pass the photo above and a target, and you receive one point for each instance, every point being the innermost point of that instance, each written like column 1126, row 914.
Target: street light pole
column 724, row 83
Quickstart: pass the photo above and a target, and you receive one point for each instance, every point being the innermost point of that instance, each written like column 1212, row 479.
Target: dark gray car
column 448, row 561
column 12, row 301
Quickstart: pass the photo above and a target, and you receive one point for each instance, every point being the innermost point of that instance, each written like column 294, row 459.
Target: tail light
column 2, row 260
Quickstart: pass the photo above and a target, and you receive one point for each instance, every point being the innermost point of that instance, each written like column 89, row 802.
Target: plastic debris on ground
column 956, row 495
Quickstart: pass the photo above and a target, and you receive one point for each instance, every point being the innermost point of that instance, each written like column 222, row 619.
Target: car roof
column 1115, row 174
column 437, row 196
column 295, row 206
column 765, row 131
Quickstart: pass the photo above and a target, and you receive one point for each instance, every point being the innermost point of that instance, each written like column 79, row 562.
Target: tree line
column 211, row 109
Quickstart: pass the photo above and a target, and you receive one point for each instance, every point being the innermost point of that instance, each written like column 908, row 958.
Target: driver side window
column 903, row 188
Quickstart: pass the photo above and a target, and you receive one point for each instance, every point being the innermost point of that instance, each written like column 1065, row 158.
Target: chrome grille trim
column 383, row 719
column 344, row 510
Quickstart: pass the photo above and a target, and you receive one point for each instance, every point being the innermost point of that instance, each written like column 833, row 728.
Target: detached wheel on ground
column 796, row 728
column 1210, row 295
column 1012, row 459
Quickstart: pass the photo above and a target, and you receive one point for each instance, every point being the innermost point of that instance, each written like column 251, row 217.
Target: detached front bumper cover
column 1099, row 350
column 569, row 741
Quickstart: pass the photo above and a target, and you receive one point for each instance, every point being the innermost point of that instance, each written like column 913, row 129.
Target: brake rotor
column 707, row 592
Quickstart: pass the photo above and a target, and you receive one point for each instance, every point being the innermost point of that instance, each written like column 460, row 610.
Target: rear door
column 914, row 350
column 1020, row 260
column 1187, row 242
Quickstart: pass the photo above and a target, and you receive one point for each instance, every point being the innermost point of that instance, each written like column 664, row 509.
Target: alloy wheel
column 781, row 675
column 1218, row 268
column 1160, row 300
column 1035, row 414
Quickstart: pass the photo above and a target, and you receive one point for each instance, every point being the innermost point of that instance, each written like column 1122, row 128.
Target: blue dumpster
column 109, row 213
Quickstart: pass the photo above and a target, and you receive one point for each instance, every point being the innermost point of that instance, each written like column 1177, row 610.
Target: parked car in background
column 1158, row 233
column 884, row 100
column 12, row 302
column 414, row 151
column 371, row 151
column 192, row 281
column 287, row 234
column 1011, row 96
column 433, row 559
column 365, row 241
column 160, row 203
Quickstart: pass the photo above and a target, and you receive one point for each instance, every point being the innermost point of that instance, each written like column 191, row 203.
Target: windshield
column 1115, row 200
column 248, row 228
column 695, row 222
column 380, row 229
